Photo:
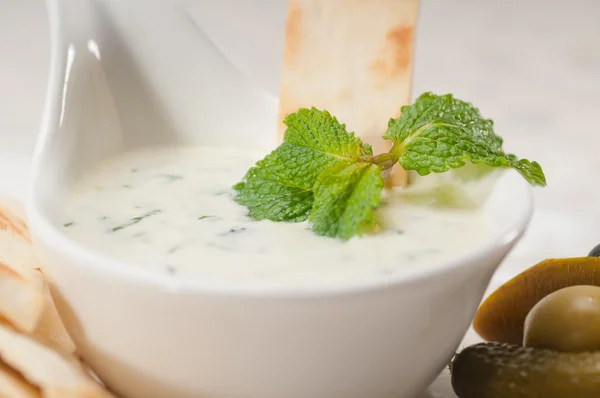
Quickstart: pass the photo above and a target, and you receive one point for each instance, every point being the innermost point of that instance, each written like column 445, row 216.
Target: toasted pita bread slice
column 14, row 385
column 56, row 375
column 50, row 327
column 353, row 58
column 12, row 216
column 21, row 285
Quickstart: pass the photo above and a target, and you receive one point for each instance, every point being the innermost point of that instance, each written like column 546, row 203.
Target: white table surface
column 532, row 66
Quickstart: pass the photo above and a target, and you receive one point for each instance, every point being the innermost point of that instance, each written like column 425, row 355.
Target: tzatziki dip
column 171, row 210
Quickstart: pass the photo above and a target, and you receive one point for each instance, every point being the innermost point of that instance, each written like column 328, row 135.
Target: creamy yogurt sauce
column 171, row 210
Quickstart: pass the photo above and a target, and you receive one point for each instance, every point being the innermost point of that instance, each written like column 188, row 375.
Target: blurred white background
column 531, row 65
column 504, row 55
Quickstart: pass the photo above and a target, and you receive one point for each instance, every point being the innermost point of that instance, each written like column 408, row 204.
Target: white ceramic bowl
column 122, row 77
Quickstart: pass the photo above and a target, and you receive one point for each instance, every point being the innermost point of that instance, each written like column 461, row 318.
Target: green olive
column 567, row 320
column 502, row 315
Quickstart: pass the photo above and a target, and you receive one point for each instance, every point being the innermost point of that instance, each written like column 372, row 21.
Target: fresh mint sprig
column 280, row 186
column 437, row 133
column 324, row 174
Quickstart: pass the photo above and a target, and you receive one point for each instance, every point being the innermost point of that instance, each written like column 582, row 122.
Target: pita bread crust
column 24, row 297
column 21, row 285
column 26, row 306
column 56, row 375
column 13, row 385
column 51, row 328
column 353, row 58
column 12, row 216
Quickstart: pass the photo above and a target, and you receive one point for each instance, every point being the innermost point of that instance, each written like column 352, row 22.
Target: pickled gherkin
column 500, row 370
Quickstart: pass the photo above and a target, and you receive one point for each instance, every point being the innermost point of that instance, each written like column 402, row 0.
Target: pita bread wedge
column 353, row 58
column 14, row 385
column 12, row 216
column 19, row 275
column 56, row 375
column 21, row 286
column 50, row 327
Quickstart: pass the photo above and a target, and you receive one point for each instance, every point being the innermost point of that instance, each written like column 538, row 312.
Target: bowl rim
column 98, row 262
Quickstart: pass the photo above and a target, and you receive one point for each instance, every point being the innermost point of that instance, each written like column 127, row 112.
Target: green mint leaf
column 279, row 187
column 367, row 150
column 439, row 132
column 271, row 200
column 345, row 197
column 321, row 134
